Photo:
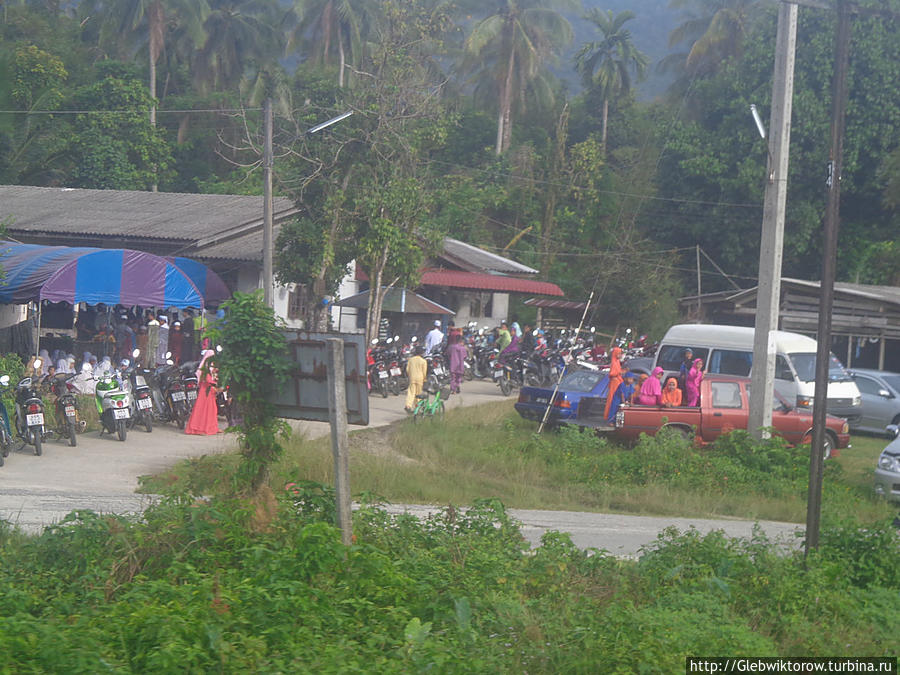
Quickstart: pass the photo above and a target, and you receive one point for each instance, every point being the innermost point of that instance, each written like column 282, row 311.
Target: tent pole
column 37, row 342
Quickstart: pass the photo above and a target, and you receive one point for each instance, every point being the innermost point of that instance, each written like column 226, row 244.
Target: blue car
column 583, row 390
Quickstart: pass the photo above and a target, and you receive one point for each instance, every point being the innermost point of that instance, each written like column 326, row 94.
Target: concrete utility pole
column 268, row 228
column 768, row 297
column 340, row 441
column 829, row 264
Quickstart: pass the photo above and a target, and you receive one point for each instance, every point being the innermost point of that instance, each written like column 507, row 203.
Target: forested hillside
column 463, row 126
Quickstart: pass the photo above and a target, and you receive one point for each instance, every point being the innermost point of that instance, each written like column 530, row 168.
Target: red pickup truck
column 724, row 406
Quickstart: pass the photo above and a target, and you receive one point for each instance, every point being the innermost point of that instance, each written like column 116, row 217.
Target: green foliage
column 253, row 363
column 193, row 587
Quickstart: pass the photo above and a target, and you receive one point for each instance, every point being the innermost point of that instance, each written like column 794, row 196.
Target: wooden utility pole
column 268, row 228
column 768, row 297
column 829, row 264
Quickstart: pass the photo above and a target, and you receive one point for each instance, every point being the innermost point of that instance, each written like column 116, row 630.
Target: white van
column 728, row 350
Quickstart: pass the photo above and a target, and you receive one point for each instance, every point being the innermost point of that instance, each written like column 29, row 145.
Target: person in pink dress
column 651, row 390
column 692, row 383
column 204, row 417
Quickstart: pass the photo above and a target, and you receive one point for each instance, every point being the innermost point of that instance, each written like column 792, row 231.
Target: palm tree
column 715, row 30
column 149, row 19
column 511, row 47
column 608, row 64
column 239, row 33
column 332, row 30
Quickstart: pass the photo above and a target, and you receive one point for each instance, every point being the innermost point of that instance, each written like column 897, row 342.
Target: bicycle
column 426, row 406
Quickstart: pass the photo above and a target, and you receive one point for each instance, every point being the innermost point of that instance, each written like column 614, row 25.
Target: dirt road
column 102, row 473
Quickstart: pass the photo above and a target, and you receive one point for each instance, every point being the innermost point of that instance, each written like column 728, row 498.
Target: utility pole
column 268, row 229
column 768, row 298
column 699, row 306
column 829, row 263
column 340, row 441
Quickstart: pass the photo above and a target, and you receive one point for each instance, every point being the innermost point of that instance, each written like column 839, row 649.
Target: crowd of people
column 631, row 388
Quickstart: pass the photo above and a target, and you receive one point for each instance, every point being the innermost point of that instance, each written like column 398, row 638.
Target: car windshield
column 580, row 380
column 805, row 365
column 893, row 381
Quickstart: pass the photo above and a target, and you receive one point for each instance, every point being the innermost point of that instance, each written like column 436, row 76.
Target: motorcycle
column 190, row 384
column 378, row 370
column 508, row 373
column 65, row 407
column 113, row 406
column 135, row 380
column 5, row 432
column 29, row 414
column 172, row 399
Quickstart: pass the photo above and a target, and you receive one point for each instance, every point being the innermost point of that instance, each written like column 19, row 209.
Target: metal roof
column 550, row 303
column 164, row 216
column 488, row 282
column 397, row 300
column 474, row 259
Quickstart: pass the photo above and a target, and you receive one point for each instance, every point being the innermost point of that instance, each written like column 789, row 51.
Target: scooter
column 5, row 432
column 65, row 407
column 134, row 379
column 30, row 412
column 113, row 406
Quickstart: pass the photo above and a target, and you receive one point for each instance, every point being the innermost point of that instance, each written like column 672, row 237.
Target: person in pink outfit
column 651, row 390
column 204, row 417
column 692, row 383
column 457, row 353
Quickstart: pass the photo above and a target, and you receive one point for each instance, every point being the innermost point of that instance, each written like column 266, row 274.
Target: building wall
column 10, row 315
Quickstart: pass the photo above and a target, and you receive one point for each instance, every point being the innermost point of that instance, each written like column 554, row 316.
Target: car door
column 876, row 410
column 726, row 410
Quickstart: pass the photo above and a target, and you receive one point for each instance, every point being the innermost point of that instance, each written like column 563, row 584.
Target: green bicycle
column 427, row 406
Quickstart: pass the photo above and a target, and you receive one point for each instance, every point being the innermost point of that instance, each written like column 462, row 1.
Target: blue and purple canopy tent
column 95, row 275
column 210, row 284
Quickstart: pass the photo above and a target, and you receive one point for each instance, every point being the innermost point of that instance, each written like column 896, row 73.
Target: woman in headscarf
column 175, row 342
column 651, row 390
column 615, row 378
column 62, row 364
column 671, row 394
column 103, row 367
column 204, row 417
column 692, row 385
column 44, row 356
column 624, row 396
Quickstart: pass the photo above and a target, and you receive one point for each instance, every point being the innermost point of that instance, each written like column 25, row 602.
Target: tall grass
column 488, row 451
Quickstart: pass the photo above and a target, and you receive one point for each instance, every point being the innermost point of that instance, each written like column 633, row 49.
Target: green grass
column 488, row 451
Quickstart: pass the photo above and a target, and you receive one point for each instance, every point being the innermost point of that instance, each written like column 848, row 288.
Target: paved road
column 101, row 474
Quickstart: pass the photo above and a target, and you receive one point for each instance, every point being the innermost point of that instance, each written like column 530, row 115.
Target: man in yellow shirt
column 416, row 370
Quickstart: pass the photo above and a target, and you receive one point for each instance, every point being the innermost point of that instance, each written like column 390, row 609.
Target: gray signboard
column 305, row 394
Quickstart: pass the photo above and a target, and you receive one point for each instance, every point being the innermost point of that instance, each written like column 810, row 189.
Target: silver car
column 880, row 391
column 887, row 471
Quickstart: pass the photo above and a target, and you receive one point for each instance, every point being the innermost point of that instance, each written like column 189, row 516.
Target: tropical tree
column 608, row 64
column 332, row 30
column 714, row 30
column 149, row 21
column 239, row 34
column 509, row 50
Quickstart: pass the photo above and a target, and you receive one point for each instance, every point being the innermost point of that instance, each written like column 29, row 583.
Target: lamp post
column 768, row 298
column 268, row 220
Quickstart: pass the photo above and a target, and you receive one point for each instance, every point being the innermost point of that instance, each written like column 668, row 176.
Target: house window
column 297, row 302
column 489, row 306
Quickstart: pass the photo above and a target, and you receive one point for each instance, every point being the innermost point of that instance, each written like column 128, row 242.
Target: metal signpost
column 328, row 383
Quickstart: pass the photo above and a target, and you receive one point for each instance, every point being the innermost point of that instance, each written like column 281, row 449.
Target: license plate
column 438, row 370
column 139, row 381
column 192, row 395
column 382, row 374
column 35, row 420
column 177, row 395
column 395, row 372
column 498, row 374
column 540, row 399
column 70, row 411
column 144, row 403
column 121, row 413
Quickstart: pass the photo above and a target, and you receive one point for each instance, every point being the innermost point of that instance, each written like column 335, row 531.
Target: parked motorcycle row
column 131, row 397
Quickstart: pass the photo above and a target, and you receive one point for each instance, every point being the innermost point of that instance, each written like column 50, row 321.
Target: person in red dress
column 204, row 418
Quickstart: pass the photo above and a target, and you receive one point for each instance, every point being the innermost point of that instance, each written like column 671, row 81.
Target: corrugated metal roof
column 129, row 213
column 397, row 300
column 488, row 282
column 549, row 303
column 476, row 259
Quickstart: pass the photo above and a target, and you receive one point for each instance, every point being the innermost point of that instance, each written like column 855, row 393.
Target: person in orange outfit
column 671, row 394
column 615, row 378
column 416, row 370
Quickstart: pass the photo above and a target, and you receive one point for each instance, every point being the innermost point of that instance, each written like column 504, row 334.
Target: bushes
column 195, row 587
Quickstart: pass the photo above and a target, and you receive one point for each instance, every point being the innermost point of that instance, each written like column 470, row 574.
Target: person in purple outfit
column 457, row 353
